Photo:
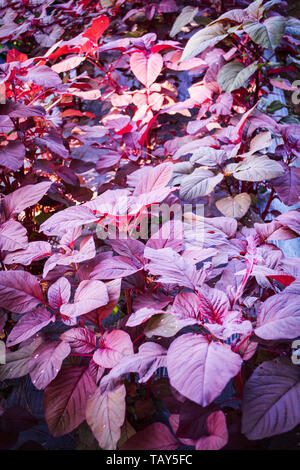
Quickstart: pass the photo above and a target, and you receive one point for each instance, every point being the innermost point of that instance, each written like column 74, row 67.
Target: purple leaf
column 47, row 361
column 146, row 68
column 19, row 291
column 24, row 197
column 279, row 317
column 157, row 436
column 12, row 155
column 13, row 236
column 141, row 315
column 59, row 292
column 287, row 186
column 271, row 399
column 113, row 347
column 89, row 295
column 150, row 357
column 218, row 434
column 53, row 143
column 43, row 76
column 116, row 267
column 169, row 235
column 173, row 268
column 28, row 325
column 17, row 362
column 67, row 219
column 113, row 290
column 35, row 250
column 81, row 340
column 105, row 414
column 200, row 370
column 129, row 247
column 153, row 178
column 65, row 399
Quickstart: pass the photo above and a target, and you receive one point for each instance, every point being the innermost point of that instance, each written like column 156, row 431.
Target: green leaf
column 186, row 16
column 203, row 39
column 236, row 206
column 255, row 168
column 234, row 75
column 275, row 106
column 293, row 27
column 163, row 324
column 267, row 34
column 200, row 183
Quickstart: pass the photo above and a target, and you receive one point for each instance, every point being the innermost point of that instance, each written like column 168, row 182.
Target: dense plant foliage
column 140, row 158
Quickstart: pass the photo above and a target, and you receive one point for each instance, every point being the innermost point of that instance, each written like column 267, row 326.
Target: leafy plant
column 112, row 138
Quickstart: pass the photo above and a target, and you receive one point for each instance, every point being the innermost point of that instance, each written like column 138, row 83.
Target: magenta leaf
column 279, row 317
column 13, row 236
column 53, row 143
column 66, row 398
column 173, row 268
column 67, row 219
column 146, row 68
column 271, row 399
column 150, row 357
column 12, row 155
column 28, row 325
column 19, row 291
column 81, row 340
column 105, row 414
column 89, row 295
column 18, row 362
column 116, row 267
column 59, row 293
column 42, row 76
column 113, row 346
column 34, row 251
column 47, row 361
column 218, row 434
column 153, row 179
column 157, row 436
column 24, row 197
column 200, row 369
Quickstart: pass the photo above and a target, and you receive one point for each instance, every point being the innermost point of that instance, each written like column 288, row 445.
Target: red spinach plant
column 138, row 229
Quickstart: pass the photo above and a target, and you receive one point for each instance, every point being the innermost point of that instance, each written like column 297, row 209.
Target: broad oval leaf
column 206, row 37
column 81, row 340
column 13, row 236
column 267, row 34
column 198, row 184
column 47, row 361
column 28, row 325
column 279, row 317
column 236, row 206
column 157, row 436
column 255, row 168
column 186, row 16
column 113, row 347
column 89, row 295
column 200, row 370
column 218, row 433
column 19, row 291
column 66, row 397
column 34, row 250
column 24, row 197
column 235, row 75
column 271, row 399
column 146, row 68
column 105, row 414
